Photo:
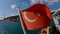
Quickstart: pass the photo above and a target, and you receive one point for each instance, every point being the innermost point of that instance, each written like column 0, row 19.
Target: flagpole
column 18, row 8
column 48, row 30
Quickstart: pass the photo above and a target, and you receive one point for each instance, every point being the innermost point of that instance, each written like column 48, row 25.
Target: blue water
column 15, row 28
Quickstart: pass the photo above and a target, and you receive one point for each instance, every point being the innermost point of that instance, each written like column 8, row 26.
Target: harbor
column 14, row 27
column 29, row 16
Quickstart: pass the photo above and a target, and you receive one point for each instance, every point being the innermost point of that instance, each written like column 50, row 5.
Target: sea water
column 14, row 28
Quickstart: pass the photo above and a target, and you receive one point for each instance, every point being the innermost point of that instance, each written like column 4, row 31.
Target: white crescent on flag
column 29, row 20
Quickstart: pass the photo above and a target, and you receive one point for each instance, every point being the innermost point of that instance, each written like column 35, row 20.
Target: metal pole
column 48, row 30
column 18, row 8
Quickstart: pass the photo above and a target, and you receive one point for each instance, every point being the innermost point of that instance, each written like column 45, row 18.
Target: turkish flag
column 35, row 17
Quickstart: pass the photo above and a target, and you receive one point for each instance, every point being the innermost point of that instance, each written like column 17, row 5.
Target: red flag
column 37, row 16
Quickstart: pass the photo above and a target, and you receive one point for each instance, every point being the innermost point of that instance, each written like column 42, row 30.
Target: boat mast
column 4, row 14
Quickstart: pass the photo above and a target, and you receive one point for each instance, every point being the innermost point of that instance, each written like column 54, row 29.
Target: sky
column 7, row 6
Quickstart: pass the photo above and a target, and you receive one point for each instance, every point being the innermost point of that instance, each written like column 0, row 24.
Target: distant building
column 12, row 18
